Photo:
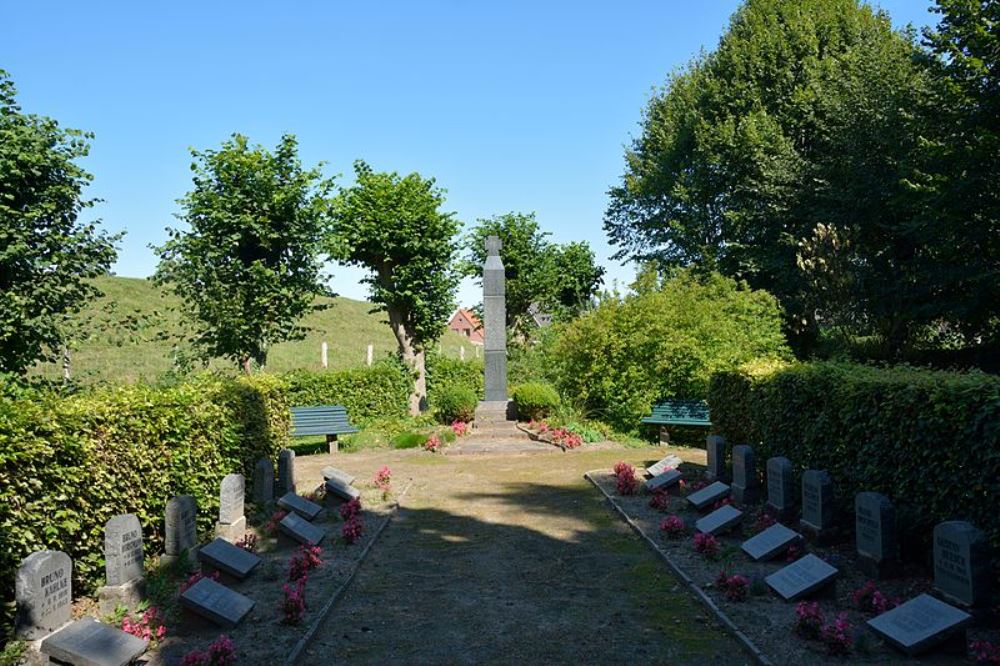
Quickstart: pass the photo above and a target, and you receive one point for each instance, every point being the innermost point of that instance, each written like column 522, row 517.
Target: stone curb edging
column 307, row 638
column 730, row 626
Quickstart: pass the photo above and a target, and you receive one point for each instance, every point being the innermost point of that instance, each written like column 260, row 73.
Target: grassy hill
column 108, row 350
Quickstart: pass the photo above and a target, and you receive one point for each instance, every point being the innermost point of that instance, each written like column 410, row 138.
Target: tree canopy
column 47, row 254
column 248, row 266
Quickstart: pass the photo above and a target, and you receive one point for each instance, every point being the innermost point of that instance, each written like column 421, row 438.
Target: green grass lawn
column 108, row 352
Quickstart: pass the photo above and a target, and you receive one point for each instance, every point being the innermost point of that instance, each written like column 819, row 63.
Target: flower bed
column 825, row 629
column 541, row 431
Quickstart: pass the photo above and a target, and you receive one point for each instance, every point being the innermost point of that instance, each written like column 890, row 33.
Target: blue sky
column 520, row 106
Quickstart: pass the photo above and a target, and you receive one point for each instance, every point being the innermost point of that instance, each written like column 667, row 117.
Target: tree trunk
column 246, row 364
column 413, row 358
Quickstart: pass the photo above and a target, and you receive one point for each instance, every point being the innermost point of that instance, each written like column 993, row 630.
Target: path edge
column 730, row 626
column 324, row 612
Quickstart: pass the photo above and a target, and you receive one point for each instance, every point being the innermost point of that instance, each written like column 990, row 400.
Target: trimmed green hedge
column 535, row 400
column 445, row 373
column 929, row 440
column 368, row 393
column 455, row 403
column 68, row 464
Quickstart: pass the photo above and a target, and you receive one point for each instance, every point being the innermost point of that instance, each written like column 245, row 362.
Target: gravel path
column 511, row 558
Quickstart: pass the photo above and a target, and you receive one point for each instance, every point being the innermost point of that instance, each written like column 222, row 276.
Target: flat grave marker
column 670, row 477
column 231, row 559
column 299, row 529
column 90, row 643
column 801, row 578
column 44, row 593
column 342, row 490
column 300, row 505
column 721, row 520
column 217, row 603
column 715, row 448
column 770, row 543
column 263, row 481
column 920, row 624
column 962, row 569
column 333, row 473
column 708, row 495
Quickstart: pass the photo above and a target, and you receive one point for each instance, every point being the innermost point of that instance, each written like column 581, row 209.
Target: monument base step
column 495, row 411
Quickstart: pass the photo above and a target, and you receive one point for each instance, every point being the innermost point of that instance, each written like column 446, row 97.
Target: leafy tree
column 561, row 279
column 392, row 225
column 248, row 268
column 47, row 255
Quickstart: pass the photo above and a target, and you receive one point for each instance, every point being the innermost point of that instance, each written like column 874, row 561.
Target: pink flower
column 220, row 653
column 660, row 501
column 303, row 561
column 808, row 620
column 672, row 526
column 248, row 542
column 352, row 529
column 432, row 444
column 837, row 635
column 350, row 509
column 459, row 428
column 625, row 483
column 985, row 652
column 383, row 479
column 194, row 578
column 706, row 545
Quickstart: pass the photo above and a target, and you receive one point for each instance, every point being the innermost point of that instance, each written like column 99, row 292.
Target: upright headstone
column 962, row 563
column 496, row 406
column 123, row 564
column 875, row 533
column 263, row 482
column 181, row 533
column 781, row 490
column 286, row 472
column 44, row 593
column 817, row 505
column 232, row 523
column 715, row 447
column 745, row 485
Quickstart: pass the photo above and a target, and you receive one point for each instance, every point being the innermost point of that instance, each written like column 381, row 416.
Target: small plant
column 433, row 444
column 12, row 653
column 725, row 501
column 150, row 626
column 762, row 522
column 293, row 606
column 222, row 652
column 673, row 527
column 793, row 553
column 984, row 652
column 350, row 509
column 660, row 501
column 383, row 480
column 735, row 587
column 352, row 529
column 758, row 587
column 837, row 635
column 535, row 400
column 194, row 578
column 694, row 487
column 706, row 545
column 455, row 403
column 460, row 428
column 271, row 526
column 625, row 481
column 248, row 542
column 808, row 620
column 303, row 561
column 869, row 599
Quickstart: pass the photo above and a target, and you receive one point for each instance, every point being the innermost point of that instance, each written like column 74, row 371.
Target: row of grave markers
column 962, row 569
column 43, row 583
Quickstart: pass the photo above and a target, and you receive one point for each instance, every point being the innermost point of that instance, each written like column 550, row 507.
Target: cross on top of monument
column 493, row 245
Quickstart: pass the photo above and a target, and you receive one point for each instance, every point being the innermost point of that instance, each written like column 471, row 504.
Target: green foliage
column 12, row 653
column 409, row 440
column 560, row 279
column 444, row 373
column 393, row 227
column 46, row 253
column 68, row 464
column 616, row 361
column 368, row 393
column 249, row 267
column 929, row 440
column 535, row 400
column 455, row 403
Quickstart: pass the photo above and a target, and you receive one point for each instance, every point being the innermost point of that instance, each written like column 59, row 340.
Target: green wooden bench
column 678, row 412
column 328, row 420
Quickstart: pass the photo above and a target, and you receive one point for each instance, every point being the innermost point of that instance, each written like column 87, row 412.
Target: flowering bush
column 303, row 561
column 222, row 652
column 808, row 620
column 706, row 545
column 660, row 500
column 460, row 428
column 194, row 578
column 985, row 652
column 352, row 529
column 248, row 542
column 837, row 635
column 271, row 526
column 350, row 509
column 383, row 480
column 625, row 481
column 736, row 587
column 673, row 526
column 869, row 599
column 793, row 553
column 762, row 522
column 293, row 606
column 432, row 444
column 696, row 486
column 727, row 500
column 150, row 625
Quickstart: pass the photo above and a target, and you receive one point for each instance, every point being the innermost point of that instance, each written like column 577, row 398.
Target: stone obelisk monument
column 496, row 406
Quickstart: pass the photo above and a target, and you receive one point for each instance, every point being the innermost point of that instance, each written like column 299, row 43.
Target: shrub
column 631, row 352
column 350, row 509
column 409, row 440
column 303, row 561
column 433, row 444
column 222, row 652
column 368, row 393
column 352, row 529
column 706, row 545
column 625, row 481
column 837, row 636
column 673, row 527
column 808, row 620
column 455, row 403
column 446, row 373
column 535, row 400
column 293, row 605
column 910, row 434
